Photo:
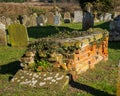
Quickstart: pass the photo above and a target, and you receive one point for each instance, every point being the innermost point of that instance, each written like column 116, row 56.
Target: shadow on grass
column 45, row 31
column 104, row 25
column 10, row 68
column 88, row 89
column 114, row 45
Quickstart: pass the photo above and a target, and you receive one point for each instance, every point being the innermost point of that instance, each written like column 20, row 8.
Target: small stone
column 53, row 80
column 42, row 83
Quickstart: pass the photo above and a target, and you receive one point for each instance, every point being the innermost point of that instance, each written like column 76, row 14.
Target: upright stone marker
column 57, row 19
column 107, row 17
column 78, row 15
column 67, row 17
column 50, row 18
column 40, row 20
column 26, row 20
column 88, row 20
column 33, row 20
column 18, row 35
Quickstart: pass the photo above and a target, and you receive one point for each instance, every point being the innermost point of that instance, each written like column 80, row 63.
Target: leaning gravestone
column 67, row 17
column 40, row 20
column 50, row 18
column 78, row 15
column 3, row 40
column 18, row 35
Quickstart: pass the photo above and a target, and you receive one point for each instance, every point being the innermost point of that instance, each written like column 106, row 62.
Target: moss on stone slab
column 18, row 35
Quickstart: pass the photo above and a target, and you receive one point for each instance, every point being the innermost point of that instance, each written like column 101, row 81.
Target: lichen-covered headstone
column 3, row 20
column 3, row 40
column 8, row 21
column 18, row 35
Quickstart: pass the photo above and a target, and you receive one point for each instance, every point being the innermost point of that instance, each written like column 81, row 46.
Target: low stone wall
column 82, row 54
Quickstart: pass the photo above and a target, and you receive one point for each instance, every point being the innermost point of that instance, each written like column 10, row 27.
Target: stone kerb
column 88, row 51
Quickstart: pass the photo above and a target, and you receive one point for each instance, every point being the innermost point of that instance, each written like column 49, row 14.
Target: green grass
column 100, row 81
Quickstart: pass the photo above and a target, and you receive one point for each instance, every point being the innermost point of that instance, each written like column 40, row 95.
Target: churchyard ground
column 100, row 81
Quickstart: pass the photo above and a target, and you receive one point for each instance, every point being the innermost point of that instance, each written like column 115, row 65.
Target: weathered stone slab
column 51, row 80
column 18, row 35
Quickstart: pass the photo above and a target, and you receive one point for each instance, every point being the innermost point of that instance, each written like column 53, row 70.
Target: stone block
column 51, row 80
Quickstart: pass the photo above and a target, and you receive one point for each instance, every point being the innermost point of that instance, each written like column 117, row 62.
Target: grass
column 100, row 81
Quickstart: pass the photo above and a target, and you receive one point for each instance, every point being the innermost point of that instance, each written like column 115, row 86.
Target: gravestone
column 3, row 20
column 2, row 26
column 115, row 29
column 88, row 21
column 50, row 18
column 78, row 15
column 40, row 20
column 18, row 35
column 3, row 40
column 26, row 21
column 51, row 80
column 57, row 19
column 107, row 16
column 33, row 20
column 8, row 21
column 67, row 17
